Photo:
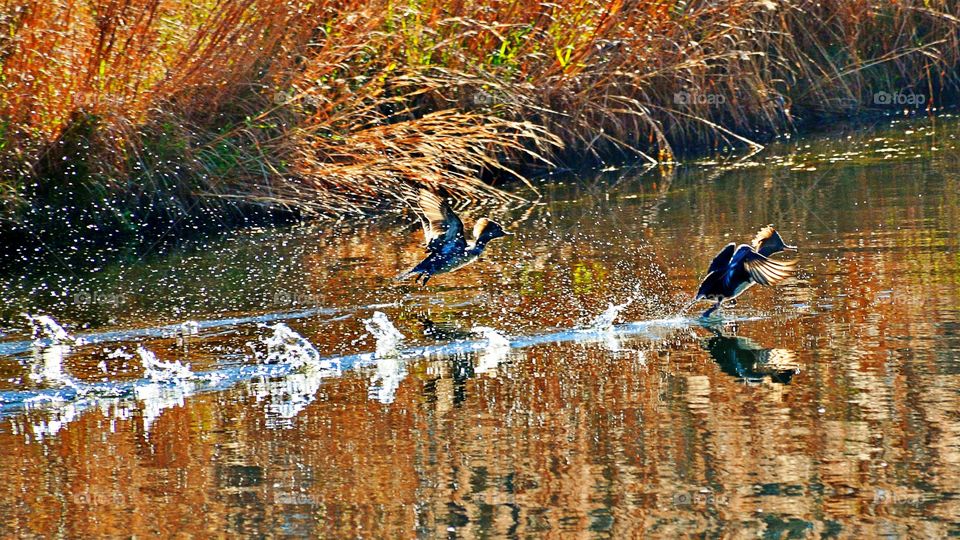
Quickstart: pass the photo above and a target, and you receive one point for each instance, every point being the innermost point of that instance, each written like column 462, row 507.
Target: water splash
column 287, row 396
column 186, row 330
column 390, row 370
column 44, row 324
column 119, row 352
column 51, row 344
column 495, row 340
column 287, row 389
column 605, row 321
column 160, row 371
column 9, row 348
column 189, row 328
column 288, row 347
column 387, row 336
column 496, row 351
column 63, row 399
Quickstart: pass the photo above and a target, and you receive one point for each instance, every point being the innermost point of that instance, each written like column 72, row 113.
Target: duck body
column 447, row 246
column 451, row 257
column 737, row 268
column 727, row 277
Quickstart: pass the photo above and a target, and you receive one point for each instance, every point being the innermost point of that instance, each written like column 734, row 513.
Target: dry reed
column 332, row 106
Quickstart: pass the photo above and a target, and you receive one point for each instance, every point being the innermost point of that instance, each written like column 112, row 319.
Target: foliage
column 331, row 106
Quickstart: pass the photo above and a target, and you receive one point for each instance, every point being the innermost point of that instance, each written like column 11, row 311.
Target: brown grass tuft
column 338, row 106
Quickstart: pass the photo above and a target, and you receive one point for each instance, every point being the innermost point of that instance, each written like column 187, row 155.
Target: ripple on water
column 827, row 405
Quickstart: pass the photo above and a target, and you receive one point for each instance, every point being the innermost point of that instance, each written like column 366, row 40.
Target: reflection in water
column 155, row 397
column 496, row 351
column 745, row 359
column 443, row 331
column 387, row 337
column 308, row 427
column 46, row 366
column 386, row 379
column 287, row 396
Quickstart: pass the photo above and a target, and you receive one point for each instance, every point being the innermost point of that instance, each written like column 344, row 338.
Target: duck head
column 486, row 230
column 768, row 241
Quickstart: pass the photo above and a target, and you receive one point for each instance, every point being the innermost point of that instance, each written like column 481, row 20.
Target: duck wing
column 442, row 229
column 723, row 258
column 767, row 272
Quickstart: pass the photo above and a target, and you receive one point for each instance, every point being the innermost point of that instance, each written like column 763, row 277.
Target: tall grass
column 332, row 106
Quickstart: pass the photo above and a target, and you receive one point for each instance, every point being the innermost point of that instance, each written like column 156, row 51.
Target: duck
column 446, row 244
column 736, row 269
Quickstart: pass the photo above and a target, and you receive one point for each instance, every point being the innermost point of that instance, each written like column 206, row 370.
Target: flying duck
column 447, row 247
column 736, row 269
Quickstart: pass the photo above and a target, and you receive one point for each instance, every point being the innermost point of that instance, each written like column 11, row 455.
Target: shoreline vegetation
column 124, row 116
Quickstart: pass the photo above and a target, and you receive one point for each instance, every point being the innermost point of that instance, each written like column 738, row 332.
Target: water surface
column 280, row 403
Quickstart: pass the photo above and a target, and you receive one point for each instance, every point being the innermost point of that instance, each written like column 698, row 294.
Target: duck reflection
column 444, row 331
column 446, row 382
column 451, row 384
column 744, row 358
column 447, row 376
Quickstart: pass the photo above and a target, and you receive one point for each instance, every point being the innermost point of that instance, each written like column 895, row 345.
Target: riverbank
column 175, row 115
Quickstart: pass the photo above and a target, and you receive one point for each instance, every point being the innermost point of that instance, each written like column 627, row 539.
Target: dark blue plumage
column 736, row 269
column 447, row 246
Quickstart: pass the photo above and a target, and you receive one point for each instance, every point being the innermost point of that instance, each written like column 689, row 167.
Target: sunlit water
column 280, row 382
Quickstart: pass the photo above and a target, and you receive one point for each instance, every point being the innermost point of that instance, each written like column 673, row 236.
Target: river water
column 281, row 382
